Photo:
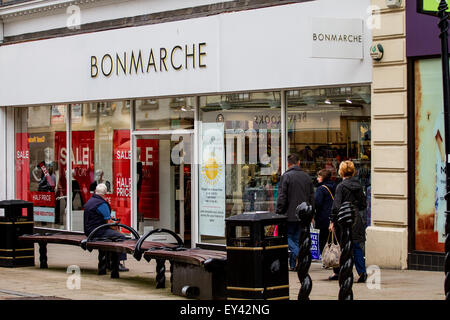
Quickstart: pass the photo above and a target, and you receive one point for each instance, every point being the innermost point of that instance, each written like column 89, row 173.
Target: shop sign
column 44, row 214
column 337, row 38
column 151, row 61
column 44, row 203
column 430, row 7
column 58, row 114
column 212, row 180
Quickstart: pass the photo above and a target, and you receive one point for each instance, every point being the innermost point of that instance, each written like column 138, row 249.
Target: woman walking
column 323, row 199
column 351, row 190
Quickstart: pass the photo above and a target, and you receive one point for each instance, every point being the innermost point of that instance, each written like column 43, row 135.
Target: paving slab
column 139, row 283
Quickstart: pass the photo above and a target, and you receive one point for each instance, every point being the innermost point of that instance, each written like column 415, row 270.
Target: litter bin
column 257, row 257
column 14, row 253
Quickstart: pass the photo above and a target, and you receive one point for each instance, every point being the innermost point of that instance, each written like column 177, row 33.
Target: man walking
column 98, row 212
column 295, row 187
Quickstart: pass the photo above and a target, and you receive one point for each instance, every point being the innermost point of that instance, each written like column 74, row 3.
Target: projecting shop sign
column 337, row 38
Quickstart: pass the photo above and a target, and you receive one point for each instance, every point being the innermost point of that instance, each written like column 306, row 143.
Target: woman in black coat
column 351, row 190
column 323, row 200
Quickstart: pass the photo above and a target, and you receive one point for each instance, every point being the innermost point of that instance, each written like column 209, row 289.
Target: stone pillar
column 387, row 237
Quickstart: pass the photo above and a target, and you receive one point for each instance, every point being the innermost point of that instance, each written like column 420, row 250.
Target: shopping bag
column 315, row 251
column 331, row 252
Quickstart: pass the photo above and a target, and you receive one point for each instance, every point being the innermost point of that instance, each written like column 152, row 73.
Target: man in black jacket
column 295, row 187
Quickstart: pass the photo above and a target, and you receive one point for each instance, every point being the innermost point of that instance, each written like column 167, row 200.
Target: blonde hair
column 347, row 169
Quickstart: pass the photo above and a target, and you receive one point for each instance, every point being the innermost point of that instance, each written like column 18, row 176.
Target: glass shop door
column 163, row 183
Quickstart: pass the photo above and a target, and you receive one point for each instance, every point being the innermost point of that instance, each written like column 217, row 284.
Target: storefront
column 187, row 122
column 427, row 143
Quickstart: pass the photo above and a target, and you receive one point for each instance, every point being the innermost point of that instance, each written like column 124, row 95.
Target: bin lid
column 256, row 216
column 14, row 203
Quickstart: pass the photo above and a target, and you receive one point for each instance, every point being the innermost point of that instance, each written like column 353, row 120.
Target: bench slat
column 190, row 256
column 71, row 239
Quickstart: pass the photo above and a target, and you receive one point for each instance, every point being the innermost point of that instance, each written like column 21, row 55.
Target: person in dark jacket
column 295, row 187
column 97, row 212
column 323, row 199
column 351, row 190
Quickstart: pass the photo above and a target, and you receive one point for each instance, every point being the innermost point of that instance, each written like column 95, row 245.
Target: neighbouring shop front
column 195, row 123
column 427, row 183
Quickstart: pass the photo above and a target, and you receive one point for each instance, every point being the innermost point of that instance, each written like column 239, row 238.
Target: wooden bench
column 108, row 249
column 194, row 272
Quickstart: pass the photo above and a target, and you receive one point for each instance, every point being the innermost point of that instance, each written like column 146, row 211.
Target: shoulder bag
column 332, row 252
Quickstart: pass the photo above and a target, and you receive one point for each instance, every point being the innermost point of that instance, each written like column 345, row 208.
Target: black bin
column 257, row 257
column 15, row 253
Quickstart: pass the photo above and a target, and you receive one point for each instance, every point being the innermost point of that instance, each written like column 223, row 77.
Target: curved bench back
column 92, row 234
column 138, row 249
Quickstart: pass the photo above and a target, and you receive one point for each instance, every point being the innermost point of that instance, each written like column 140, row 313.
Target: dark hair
column 293, row 159
column 325, row 174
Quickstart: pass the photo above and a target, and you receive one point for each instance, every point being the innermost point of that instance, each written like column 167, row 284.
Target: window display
column 329, row 125
column 240, row 161
column 40, row 171
column 429, row 157
column 101, row 153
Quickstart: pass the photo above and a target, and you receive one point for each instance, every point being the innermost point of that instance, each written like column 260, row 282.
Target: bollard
column 345, row 219
column 304, row 213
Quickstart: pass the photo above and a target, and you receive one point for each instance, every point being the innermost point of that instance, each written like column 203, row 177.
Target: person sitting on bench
column 98, row 212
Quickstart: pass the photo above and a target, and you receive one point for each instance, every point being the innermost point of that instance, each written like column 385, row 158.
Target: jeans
column 358, row 256
column 323, row 237
column 293, row 231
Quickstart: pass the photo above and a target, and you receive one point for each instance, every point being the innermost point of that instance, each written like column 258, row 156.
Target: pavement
column 59, row 282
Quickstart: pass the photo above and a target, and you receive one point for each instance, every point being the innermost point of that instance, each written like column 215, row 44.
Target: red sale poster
column 148, row 185
column 83, row 162
column 22, row 166
column 61, row 159
column 121, row 176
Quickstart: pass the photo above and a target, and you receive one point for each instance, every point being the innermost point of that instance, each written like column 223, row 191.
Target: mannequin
column 99, row 179
column 44, row 172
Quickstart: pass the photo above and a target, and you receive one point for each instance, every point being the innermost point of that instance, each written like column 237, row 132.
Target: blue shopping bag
column 315, row 250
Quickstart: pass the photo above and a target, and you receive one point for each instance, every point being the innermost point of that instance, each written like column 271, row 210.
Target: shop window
column 165, row 114
column 101, row 153
column 40, row 162
column 240, row 158
column 329, row 125
column 429, row 156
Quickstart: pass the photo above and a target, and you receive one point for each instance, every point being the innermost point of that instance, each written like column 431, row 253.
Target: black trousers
column 110, row 233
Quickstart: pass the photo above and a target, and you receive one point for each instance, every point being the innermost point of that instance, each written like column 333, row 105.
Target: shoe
column 122, row 268
column 362, row 278
column 333, row 277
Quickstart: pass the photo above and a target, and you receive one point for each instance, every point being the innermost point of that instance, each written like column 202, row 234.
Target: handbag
column 331, row 252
